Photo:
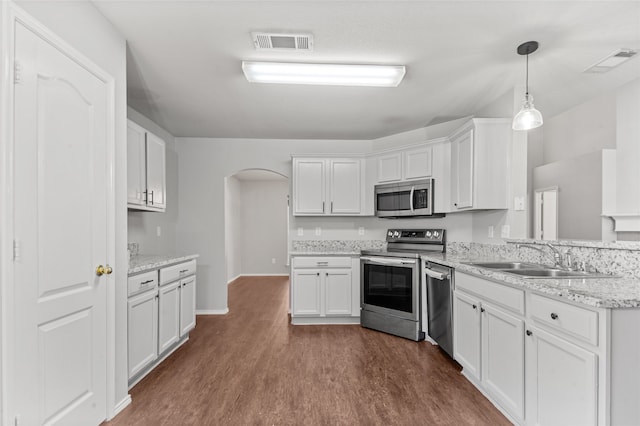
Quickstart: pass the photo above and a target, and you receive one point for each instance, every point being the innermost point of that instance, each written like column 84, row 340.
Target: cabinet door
column 417, row 163
column 345, row 186
column 142, row 336
column 156, row 166
column 306, row 292
column 390, row 167
column 441, row 174
column 503, row 358
column 561, row 382
column 169, row 316
column 466, row 345
column 136, row 168
column 338, row 290
column 187, row 305
column 308, row 186
column 462, row 162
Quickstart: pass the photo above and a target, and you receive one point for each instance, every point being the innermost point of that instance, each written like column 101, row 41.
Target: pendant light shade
column 528, row 117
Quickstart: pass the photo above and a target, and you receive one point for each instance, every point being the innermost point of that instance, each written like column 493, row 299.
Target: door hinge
column 16, row 250
column 17, row 73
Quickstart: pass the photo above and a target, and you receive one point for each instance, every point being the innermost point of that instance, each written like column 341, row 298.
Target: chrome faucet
column 557, row 256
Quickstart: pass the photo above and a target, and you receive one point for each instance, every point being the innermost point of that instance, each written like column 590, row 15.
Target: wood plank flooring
column 251, row 367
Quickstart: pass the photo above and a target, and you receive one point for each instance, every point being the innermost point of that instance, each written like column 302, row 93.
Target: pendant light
column 528, row 117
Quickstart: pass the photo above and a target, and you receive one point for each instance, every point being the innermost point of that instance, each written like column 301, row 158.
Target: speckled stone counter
column 141, row 263
column 333, row 247
column 596, row 292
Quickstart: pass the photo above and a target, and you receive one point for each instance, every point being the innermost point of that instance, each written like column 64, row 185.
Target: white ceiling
column 184, row 61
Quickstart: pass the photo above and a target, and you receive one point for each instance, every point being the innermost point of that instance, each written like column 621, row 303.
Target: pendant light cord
column 527, row 78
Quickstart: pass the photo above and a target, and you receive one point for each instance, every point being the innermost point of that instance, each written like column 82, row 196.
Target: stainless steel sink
column 553, row 273
column 507, row 265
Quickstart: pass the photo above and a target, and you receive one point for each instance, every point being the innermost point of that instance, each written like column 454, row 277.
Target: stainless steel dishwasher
column 439, row 283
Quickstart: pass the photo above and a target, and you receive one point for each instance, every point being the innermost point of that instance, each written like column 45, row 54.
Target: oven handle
column 388, row 261
column 437, row 275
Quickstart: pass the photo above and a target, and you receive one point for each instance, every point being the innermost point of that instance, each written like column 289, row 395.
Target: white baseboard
column 121, row 406
column 212, row 311
column 233, row 279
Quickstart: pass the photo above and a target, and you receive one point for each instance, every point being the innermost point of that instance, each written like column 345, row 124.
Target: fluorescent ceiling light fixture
column 323, row 74
column 611, row 61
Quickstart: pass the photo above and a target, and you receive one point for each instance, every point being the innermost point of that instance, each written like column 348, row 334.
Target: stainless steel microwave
column 405, row 199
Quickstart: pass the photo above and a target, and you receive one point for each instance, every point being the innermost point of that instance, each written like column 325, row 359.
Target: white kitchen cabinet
column 328, row 186
column 561, row 381
column 466, row 333
column 146, row 169
column 168, row 316
column 480, row 165
column 142, row 327
column 406, row 164
column 325, row 290
column 187, row 305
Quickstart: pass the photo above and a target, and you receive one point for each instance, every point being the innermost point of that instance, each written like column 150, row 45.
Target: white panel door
column 308, row 186
column 337, row 288
column 561, row 382
column 503, row 358
column 142, row 327
column 187, row 305
column 390, row 167
column 466, row 333
column 345, row 186
column 156, row 166
column 168, row 316
column 417, row 163
column 136, row 167
column 306, row 292
column 61, row 176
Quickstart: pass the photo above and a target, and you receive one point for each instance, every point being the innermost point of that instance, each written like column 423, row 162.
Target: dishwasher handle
column 437, row 275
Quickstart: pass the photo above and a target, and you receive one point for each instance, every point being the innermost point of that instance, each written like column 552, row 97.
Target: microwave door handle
column 413, row 188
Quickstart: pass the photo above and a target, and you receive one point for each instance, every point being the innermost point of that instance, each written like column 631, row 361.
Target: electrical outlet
column 361, row 230
column 518, row 203
column 318, row 231
column 273, row 260
column 490, row 232
column 505, row 231
column 300, row 232
column 158, row 231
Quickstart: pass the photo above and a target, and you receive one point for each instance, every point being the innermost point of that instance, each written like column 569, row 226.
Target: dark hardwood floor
column 251, row 367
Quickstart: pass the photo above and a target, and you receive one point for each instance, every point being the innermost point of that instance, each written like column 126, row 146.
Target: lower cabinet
column 187, row 305
column 540, row 368
column 142, row 328
column 169, row 316
column 325, row 289
column 489, row 344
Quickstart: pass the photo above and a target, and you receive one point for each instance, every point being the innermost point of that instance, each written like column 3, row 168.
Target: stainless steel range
column 392, row 290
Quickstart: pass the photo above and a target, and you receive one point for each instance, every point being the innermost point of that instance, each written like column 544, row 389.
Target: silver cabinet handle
column 437, row 275
column 388, row 260
column 151, row 197
column 184, row 270
column 146, row 282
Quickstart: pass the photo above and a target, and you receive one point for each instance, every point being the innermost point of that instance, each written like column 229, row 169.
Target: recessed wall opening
column 256, row 224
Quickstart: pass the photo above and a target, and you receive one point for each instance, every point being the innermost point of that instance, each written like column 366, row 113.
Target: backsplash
column 336, row 245
column 617, row 258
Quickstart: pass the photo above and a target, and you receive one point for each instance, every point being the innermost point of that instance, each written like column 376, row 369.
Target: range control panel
column 424, row 236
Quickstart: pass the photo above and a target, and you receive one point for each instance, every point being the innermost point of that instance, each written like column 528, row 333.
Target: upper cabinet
column 328, row 186
column 406, row 164
column 146, row 170
column 480, row 165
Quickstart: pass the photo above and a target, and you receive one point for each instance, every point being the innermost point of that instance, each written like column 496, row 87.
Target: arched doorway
column 256, row 223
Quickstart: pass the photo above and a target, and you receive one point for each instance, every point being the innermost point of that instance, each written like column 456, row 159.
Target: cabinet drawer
column 142, row 282
column 507, row 297
column 573, row 320
column 321, row 262
column 176, row 272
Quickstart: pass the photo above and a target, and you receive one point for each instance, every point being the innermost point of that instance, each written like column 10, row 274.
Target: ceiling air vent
column 611, row 61
column 274, row 41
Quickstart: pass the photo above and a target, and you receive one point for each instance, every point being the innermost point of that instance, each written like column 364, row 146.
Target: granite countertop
column 325, row 253
column 146, row 262
column 595, row 292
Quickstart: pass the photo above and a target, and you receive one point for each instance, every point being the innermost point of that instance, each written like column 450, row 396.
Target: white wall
column 233, row 227
column 264, row 227
column 82, row 26
column 141, row 225
column 628, row 148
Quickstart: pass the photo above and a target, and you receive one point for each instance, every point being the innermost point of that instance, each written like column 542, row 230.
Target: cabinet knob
column 481, row 309
column 554, row 316
column 474, row 306
column 529, row 332
column 318, row 273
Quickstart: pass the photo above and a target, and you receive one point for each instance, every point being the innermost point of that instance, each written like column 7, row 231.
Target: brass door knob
column 108, row 270
column 101, row 270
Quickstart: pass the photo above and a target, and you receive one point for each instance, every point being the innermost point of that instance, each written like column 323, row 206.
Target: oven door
column 390, row 286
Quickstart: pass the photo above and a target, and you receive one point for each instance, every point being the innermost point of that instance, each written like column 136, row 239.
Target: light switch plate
column 361, row 230
column 505, row 231
column 318, row 231
column 158, row 230
column 300, row 232
column 518, row 203
column 490, row 232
